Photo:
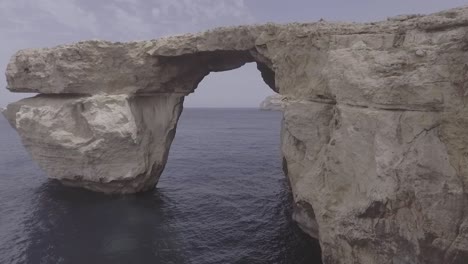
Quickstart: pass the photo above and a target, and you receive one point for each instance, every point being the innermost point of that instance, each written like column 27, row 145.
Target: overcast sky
column 46, row 23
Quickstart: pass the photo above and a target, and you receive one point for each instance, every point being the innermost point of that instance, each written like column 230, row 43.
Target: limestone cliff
column 274, row 102
column 374, row 141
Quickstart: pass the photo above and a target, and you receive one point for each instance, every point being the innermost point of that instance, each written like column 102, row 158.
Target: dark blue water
column 222, row 199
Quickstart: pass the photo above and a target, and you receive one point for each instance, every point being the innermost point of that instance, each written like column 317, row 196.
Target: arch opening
column 229, row 162
column 188, row 70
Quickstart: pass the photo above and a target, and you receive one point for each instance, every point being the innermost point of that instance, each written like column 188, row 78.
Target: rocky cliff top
column 154, row 66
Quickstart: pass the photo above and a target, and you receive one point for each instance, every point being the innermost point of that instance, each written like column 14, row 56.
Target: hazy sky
column 45, row 23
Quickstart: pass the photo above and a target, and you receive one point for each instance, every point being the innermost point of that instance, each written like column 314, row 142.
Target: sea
column 223, row 198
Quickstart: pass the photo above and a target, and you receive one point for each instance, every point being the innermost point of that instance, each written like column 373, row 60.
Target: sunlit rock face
column 374, row 138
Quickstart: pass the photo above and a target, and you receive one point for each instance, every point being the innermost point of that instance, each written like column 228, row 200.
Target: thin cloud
column 130, row 24
column 22, row 16
column 132, row 2
column 202, row 12
column 180, row 16
column 69, row 14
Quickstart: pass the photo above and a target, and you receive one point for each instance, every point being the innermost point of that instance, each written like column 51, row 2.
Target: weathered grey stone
column 105, row 143
column 274, row 102
column 374, row 135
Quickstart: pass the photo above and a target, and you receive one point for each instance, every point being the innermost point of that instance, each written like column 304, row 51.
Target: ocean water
column 222, row 198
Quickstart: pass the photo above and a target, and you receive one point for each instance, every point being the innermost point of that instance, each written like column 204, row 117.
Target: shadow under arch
column 192, row 68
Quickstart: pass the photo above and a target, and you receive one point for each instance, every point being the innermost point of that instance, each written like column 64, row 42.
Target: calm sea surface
column 222, row 199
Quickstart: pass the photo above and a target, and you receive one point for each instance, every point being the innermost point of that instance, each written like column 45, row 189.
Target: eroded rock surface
column 274, row 102
column 105, row 143
column 374, row 138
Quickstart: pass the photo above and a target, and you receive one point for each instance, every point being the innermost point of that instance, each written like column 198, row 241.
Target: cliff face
column 374, row 139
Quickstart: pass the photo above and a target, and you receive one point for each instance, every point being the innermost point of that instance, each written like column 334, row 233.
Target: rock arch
column 144, row 84
column 374, row 137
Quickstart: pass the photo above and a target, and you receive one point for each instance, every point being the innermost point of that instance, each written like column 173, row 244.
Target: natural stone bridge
column 374, row 140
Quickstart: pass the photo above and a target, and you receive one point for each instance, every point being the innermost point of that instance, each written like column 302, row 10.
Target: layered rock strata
column 374, row 142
